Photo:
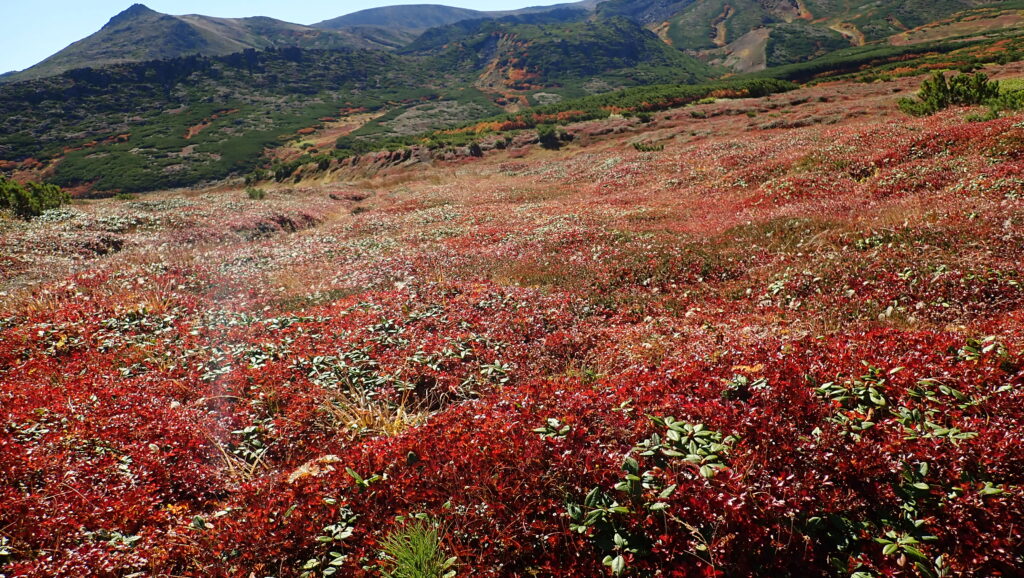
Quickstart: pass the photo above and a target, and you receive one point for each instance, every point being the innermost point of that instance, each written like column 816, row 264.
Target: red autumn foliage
column 785, row 350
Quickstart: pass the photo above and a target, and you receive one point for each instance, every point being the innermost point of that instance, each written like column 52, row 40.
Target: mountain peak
column 137, row 8
column 132, row 12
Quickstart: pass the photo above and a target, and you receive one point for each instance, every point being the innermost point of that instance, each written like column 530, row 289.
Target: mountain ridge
column 742, row 35
column 425, row 16
column 139, row 34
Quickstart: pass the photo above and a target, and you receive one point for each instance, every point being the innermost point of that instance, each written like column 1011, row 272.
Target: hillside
column 167, row 101
column 554, row 49
column 420, row 17
column 743, row 35
column 773, row 336
column 192, row 119
column 228, row 109
column 139, row 34
column 754, row 34
column 410, row 17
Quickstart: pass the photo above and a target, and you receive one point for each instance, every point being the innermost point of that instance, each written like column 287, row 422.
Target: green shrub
column 1008, row 100
column 31, row 199
column 938, row 93
column 414, row 551
column 255, row 193
column 549, row 137
column 646, row 147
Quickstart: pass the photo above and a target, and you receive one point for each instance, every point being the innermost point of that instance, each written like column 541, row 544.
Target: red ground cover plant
column 772, row 348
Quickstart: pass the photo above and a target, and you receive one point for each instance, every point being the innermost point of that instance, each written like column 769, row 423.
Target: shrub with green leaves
column 31, row 199
column 414, row 551
column 938, row 93
column 549, row 137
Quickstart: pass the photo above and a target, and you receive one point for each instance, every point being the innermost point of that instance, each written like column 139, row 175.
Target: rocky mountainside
column 750, row 35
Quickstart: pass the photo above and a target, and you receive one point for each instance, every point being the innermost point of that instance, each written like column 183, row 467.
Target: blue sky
column 31, row 30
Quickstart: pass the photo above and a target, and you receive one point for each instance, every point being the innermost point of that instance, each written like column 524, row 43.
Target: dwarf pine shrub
column 31, row 199
column 549, row 137
column 938, row 93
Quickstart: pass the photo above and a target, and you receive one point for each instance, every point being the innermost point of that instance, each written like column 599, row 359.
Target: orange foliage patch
column 195, row 130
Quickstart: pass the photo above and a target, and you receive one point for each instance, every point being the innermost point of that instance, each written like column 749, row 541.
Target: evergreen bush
column 31, row 199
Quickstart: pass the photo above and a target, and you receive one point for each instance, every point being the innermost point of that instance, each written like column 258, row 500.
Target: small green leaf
column 618, row 565
column 915, row 553
column 990, row 490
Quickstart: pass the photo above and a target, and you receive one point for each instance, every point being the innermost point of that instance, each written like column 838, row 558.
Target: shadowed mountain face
column 140, row 34
column 414, row 17
column 421, row 17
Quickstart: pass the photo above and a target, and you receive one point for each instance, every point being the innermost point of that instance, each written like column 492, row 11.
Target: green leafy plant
column 606, row 518
column 704, row 448
column 333, row 536
column 859, row 400
column 5, row 550
column 255, row 194
column 553, row 428
column 600, row 516
column 414, row 551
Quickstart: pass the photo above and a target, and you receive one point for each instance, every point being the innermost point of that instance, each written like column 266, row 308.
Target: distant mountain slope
column 421, row 17
column 139, row 34
column 561, row 47
column 154, row 101
column 179, row 121
column 412, row 17
column 783, row 31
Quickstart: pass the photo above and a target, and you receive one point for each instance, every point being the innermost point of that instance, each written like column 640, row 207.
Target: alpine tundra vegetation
column 626, row 288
